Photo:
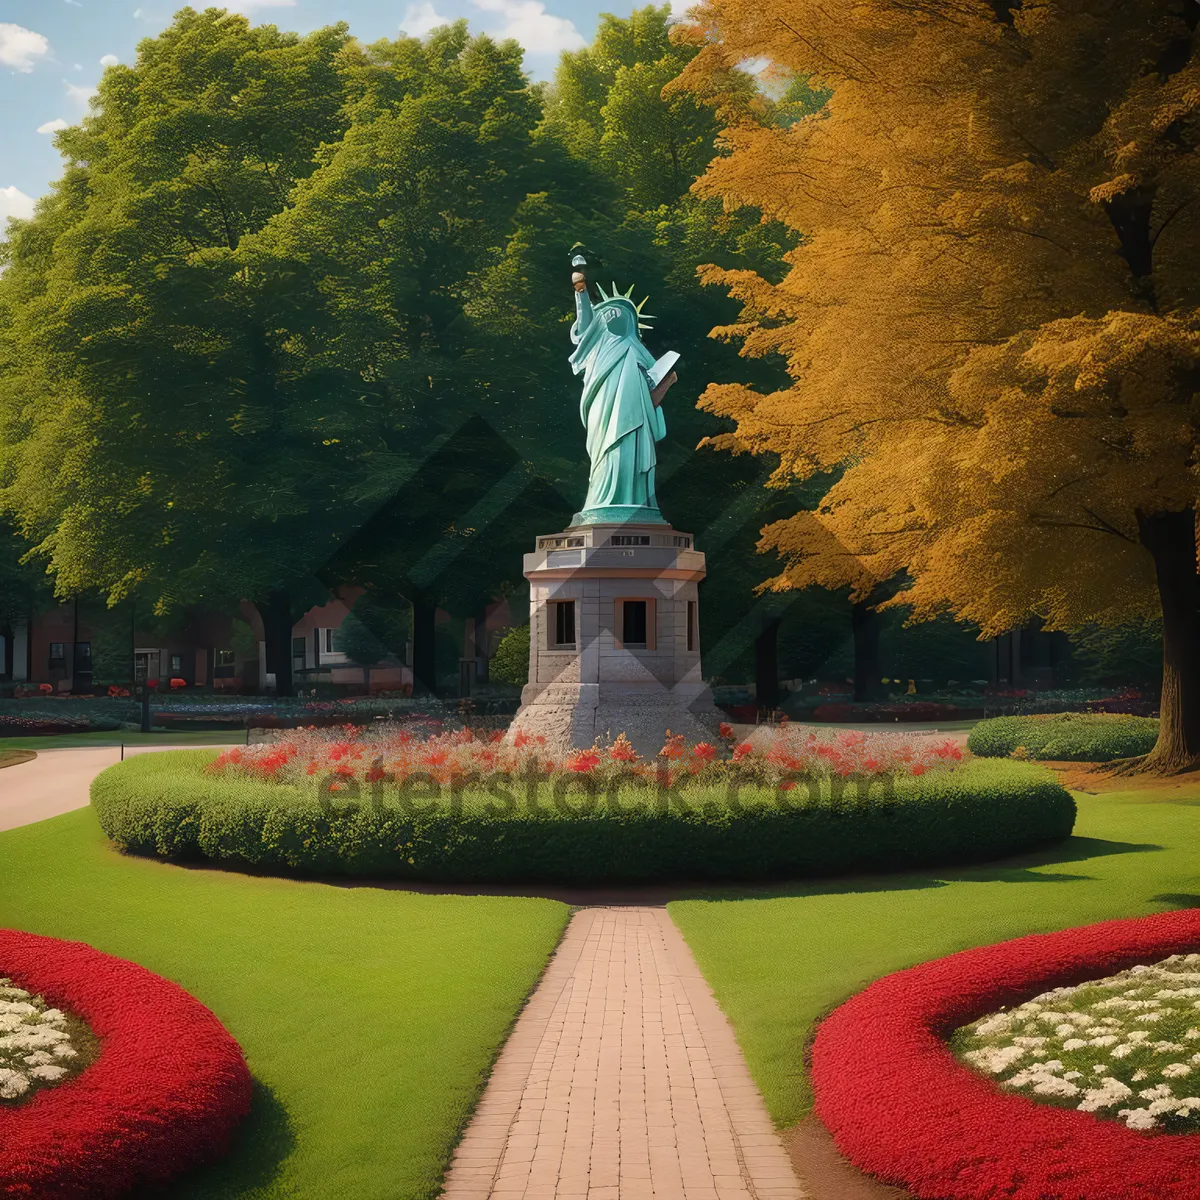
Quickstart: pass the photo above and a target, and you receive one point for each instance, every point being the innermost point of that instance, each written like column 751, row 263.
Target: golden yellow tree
column 993, row 322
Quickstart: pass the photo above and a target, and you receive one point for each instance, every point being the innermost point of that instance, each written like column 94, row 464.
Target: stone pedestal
column 623, row 656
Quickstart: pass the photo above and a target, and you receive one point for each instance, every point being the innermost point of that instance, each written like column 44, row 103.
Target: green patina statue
column 623, row 389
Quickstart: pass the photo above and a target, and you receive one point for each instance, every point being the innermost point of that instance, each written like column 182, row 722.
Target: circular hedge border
column 901, row 1106
column 168, row 1089
column 168, row 804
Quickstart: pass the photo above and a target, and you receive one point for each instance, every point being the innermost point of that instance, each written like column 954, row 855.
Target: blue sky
column 53, row 52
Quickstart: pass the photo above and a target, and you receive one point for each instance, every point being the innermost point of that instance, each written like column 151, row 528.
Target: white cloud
column 52, row 126
column 21, row 48
column 14, row 203
column 79, row 95
column 109, row 60
column 537, row 30
column 245, row 6
column 679, row 8
column 420, row 18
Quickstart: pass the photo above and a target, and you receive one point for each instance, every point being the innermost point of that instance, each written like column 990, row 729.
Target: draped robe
column 621, row 420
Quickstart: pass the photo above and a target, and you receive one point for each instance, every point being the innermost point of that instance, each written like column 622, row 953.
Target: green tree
column 375, row 261
column 358, row 641
column 22, row 587
column 112, row 644
column 239, row 314
column 510, row 663
column 1122, row 655
column 154, row 439
column 243, row 641
column 371, row 632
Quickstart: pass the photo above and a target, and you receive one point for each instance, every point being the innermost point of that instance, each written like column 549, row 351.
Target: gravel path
column 57, row 781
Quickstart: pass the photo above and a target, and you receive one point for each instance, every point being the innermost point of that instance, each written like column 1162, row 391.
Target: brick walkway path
column 622, row 1080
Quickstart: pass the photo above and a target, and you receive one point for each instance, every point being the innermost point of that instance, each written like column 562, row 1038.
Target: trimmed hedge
column 1065, row 737
column 167, row 804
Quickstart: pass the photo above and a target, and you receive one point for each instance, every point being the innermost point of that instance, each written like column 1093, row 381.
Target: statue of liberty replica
column 623, row 390
column 614, row 643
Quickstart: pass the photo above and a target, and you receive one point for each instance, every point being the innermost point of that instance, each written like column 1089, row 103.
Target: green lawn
column 778, row 961
column 369, row 1017
column 130, row 737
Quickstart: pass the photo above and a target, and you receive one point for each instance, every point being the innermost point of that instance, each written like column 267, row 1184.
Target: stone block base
column 572, row 717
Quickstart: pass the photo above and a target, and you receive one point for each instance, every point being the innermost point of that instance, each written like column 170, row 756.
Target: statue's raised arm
column 623, row 389
column 583, row 302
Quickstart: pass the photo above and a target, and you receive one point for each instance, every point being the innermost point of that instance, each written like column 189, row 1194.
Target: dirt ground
column 1095, row 778
column 824, row 1173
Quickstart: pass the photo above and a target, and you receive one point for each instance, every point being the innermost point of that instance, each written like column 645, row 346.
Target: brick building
column 61, row 647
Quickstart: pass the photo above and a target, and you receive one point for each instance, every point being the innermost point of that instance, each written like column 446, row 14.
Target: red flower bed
column 165, row 1094
column 901, row 1106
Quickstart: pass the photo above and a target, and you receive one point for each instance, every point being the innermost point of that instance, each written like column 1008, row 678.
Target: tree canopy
column 991, row 323
column 295, row 316
column 235, row 327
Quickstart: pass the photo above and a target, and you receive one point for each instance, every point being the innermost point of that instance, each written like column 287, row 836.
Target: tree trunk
column 481, row 646
column 864, row 625
column 276, row 613
column 766, row 666
column 1171, row 540
column 424, row 664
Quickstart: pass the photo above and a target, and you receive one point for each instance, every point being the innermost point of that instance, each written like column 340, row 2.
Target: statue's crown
column 616, row 294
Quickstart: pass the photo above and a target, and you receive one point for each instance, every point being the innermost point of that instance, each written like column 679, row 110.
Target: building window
column 224, row 658
column 299, row 651
column 176, row 665
column 562, row 630
column 630, row 539
column 633, row 623
column 682, row 541
column 691, row 625
column 58, row 655
column 329, row 641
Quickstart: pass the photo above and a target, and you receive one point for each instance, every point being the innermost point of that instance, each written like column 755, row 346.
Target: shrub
column 510, row 663
column 567, row 828
column 50, row 715
column 1065, row 737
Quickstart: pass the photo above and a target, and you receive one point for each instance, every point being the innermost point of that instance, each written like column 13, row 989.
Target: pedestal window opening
column 562, row 624
column 634, row 625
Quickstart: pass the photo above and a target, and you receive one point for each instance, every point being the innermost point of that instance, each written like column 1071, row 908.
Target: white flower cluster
column 1127, row 1046
column 35, row 1044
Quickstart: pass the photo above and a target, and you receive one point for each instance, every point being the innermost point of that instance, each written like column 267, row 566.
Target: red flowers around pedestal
column 901, row 1106
column 168, row 1089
